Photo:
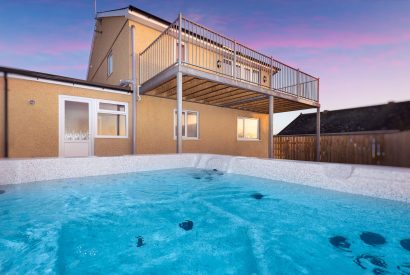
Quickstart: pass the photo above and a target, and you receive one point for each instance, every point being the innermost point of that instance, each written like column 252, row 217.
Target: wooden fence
column 388, row 148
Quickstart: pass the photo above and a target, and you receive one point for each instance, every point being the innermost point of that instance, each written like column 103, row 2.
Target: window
column 247, row 128
column 227, row 66
column 112, row 119
column 177, row 52
column 109, row 64
column 247, row 74
column 238, row 71
column 255, row 76
column 190, row 124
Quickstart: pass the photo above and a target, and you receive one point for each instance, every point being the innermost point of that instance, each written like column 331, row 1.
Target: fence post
column 318, row 134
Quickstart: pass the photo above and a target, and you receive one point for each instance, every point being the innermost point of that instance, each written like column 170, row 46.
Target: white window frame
column 229, row 63
column 186, row 125
column 245, row 69
column 176, row 51
column 110, row 64
column 102, row 111
column 238, row 69
column 61, row 121
column 248, row 139
column 259, row 76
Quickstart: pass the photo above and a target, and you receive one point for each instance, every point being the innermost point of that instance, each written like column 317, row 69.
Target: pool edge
column 376, row 181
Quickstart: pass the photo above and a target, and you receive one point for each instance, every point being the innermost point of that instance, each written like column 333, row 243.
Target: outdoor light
column 125, row 83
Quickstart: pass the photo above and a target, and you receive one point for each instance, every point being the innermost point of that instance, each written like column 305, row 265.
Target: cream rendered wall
column 217, row 129
column 155, row 119
column 33, row 129
column 112, row 34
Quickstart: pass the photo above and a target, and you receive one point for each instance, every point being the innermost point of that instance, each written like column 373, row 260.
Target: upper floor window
column 112, row 119
column 247, row 128
column 255, row 76
column 247, row 74
column 190, row 124
column 227, row 66
column 110, row 64
column 238, row 71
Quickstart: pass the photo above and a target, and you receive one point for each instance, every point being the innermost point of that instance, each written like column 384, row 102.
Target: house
column 153, row 86
column 376, row 134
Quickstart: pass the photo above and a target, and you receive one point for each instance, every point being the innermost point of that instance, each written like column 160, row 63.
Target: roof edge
column 59, row 78
column 137, row 10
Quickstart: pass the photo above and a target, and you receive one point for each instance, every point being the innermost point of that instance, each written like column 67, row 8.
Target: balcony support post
column 134, row 92
column 270, row 132
column 179, row 112
column 179, row 89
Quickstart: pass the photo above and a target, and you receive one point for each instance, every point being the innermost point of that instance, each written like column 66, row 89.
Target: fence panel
column 374, row 148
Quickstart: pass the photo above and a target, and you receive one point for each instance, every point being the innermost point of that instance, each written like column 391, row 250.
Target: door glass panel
column 76, row 121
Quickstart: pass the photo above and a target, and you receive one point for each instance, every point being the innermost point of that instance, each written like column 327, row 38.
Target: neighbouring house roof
column 386, row 117
column 59, row 78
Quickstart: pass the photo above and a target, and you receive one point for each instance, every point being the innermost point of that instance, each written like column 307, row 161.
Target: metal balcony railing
column 206, row 50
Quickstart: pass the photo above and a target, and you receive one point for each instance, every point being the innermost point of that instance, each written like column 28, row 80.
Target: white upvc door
column 76, row 137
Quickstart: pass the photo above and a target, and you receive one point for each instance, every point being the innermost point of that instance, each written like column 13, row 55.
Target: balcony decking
column 222, row 72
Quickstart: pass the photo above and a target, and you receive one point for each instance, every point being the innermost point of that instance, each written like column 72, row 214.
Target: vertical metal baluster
column 234, row 60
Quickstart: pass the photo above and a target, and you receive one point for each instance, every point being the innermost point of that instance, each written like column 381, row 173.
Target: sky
column 360, row 49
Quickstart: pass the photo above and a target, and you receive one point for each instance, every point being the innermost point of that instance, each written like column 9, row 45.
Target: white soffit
column 69, row 84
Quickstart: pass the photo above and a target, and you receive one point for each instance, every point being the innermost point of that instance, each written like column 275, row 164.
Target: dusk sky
column 360, row 49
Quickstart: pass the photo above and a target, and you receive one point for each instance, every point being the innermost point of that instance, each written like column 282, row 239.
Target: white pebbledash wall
column 375, row 181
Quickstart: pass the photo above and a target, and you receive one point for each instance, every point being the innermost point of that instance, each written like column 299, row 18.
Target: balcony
column 219, row 71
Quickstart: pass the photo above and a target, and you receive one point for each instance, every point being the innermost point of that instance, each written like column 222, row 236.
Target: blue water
column 241, row 225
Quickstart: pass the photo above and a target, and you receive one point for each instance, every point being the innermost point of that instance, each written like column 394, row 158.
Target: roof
column 59, row 78
column 386, row 117
column 142, row 12
column 149, row 15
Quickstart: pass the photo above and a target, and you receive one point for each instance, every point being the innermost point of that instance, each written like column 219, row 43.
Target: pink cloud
column 31, row 47
column 326, row 40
